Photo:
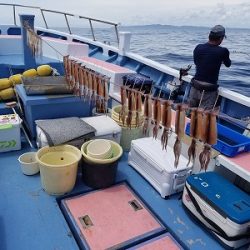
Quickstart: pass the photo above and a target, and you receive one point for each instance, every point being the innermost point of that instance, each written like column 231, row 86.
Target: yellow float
column 15, row 79
column 5, row 83
column 7, row 94
column 30, row 73
column 44, row 70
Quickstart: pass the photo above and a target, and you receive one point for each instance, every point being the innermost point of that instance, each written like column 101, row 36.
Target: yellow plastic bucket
column 115, row 116
column 58, row 168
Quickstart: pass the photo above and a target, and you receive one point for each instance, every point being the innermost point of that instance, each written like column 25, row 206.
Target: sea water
column 173, row 46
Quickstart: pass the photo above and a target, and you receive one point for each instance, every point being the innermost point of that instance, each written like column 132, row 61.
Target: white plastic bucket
column 99, row 149
column 29, row 164
column 58, row 168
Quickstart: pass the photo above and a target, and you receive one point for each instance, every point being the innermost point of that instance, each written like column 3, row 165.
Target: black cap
column 218, row 30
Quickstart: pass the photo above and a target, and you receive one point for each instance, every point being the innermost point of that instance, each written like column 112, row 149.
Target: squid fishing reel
column 175, row 85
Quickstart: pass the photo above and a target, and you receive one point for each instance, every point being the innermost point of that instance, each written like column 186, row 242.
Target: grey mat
column 63, row 130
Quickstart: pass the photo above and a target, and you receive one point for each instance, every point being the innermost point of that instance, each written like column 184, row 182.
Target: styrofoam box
column 157, row 165
column 106, row 128
column 10, row 137
column 222, row 203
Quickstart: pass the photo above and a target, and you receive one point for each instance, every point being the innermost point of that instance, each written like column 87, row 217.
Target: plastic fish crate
column 229, row 142
column 10, row 135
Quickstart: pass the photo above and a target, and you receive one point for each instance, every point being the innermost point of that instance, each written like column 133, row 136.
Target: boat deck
column 32, row 219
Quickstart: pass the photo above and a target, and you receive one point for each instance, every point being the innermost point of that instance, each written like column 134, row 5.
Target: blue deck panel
column 31, row 219
column 13, row 60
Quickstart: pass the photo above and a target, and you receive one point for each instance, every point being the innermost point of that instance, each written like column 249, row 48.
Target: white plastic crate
column 157, row 165
column 10, row 136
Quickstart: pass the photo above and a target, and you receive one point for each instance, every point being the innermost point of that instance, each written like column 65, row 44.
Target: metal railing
column 66, row 15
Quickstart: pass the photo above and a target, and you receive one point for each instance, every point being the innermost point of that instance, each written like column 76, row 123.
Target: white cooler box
column 10, row 136
column 106, row 128
column 221, row 206
column 157, row 165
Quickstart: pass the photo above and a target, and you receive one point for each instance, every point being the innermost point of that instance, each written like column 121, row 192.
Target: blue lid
column 227, row 199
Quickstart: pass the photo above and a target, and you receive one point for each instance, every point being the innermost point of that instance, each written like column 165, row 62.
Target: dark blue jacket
column 208, row 59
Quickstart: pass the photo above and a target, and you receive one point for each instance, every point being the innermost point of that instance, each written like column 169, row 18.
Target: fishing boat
column 31, row 218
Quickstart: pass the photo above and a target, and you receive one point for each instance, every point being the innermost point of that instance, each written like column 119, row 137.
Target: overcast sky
column 230, row 13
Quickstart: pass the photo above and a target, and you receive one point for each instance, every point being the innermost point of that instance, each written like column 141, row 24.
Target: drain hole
column 62, row 158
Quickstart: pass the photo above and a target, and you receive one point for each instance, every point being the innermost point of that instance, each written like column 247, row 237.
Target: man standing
column 208, row 58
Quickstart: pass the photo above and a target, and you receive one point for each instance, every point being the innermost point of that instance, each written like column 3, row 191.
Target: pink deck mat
column 105, row 65
column 114, row 220
column 163, row 243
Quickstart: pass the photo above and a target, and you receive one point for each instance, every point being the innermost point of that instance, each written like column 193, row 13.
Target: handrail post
column 65, row 15
column 14, row 13
column 117, row 35
column 29, row 59
column 46, row 25
column 124, row 45
column 92, row 30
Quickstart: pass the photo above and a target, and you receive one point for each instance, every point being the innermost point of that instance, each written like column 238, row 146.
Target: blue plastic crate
column 229, row 142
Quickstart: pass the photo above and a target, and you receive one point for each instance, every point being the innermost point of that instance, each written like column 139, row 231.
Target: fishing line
column 239, row 52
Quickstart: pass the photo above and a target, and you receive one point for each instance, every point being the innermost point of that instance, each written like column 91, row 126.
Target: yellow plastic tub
column 58, row 168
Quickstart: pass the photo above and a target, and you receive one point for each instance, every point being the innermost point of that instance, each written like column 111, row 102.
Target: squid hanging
column 138, row 108
column 156, row 116
column 147, row 112
column 66, row 68
column 131, row 107
column 193, row 128
column 209, row 137
column 179, row 130
column 166, row 115
column 122, row 113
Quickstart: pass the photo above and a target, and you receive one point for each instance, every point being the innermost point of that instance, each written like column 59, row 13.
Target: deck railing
column 66, row 16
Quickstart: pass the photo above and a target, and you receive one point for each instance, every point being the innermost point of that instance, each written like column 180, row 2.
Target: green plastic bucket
column 127, row 134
